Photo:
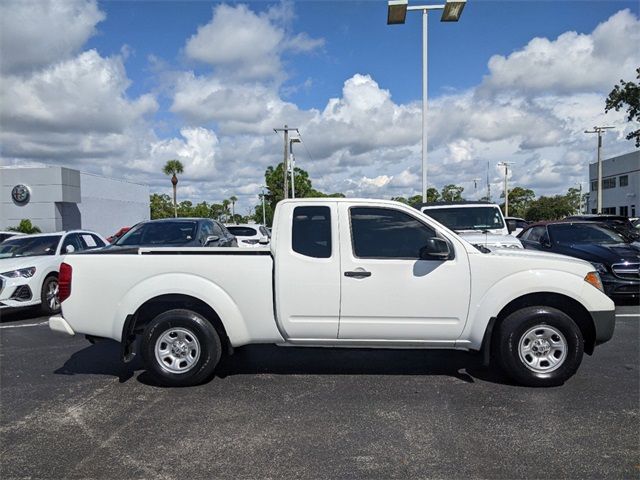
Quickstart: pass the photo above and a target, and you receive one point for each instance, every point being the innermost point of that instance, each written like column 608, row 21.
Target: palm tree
column 233, row 199
column 225, row 209
column 172, row 167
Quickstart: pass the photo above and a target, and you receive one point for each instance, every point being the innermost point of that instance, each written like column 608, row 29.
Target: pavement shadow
column 271, row 359
column 20, row 314
column 101, row 358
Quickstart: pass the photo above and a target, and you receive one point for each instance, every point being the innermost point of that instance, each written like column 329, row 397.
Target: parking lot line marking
column 25, row 325
column 628, row 315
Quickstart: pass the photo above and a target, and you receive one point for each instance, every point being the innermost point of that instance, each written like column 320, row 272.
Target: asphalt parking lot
column 70, row 409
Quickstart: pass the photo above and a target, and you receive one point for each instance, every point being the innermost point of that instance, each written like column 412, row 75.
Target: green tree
column 549, row 208
column 225, row 210
column 432, row 195
column 160, row 206
column 233, row 199
column 201, row 210
column 185, row 209
column 172, row 168
column 25, row 226
column 452, row 193
column 519, row 200
column 627, row 95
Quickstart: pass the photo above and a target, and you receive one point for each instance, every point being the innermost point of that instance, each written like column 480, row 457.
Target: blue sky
column 140, row 82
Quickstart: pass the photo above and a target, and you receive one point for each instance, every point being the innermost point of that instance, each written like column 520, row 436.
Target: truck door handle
column 357, row 274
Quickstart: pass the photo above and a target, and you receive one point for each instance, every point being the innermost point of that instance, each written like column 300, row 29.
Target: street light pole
column 293, row 165
column 599, row 131
column 286, row 154
column 396, row 14
column 264, row 213
column 506, row 186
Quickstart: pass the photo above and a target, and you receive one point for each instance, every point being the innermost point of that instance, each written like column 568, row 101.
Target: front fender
column 517, row 285
column 183, row 284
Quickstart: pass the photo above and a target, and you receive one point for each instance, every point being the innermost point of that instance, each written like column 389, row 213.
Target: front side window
column 536, row 234
column 387, row 233
column 311, row 232
column 243, row 231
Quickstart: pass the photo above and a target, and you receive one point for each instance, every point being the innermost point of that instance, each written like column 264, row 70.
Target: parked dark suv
column 178, row 232
column 615, row 258
column 618, row 223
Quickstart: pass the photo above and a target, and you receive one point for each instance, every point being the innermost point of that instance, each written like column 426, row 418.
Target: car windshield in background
column 243, row 231
column 466, row 218
column 160, row 233
column 583, row 233
column 29, row 246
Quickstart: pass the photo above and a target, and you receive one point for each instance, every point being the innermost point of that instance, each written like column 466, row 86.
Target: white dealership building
column 59, row 198
column 620, row 185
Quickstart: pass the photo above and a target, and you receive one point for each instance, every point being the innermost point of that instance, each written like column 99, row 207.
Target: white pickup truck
column 339, row 273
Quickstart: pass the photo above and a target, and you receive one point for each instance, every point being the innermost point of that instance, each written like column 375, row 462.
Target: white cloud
column 244, row 45
column 571, row 63
column 36, row 33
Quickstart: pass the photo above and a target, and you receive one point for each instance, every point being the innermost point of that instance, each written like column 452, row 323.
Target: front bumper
column 18, row 293
column 604, row 323
column 57, row 323
column 616, row 287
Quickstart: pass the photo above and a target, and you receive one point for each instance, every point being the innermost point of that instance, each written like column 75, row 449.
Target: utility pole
column 475, row 185
column 599, row 131
column 293, row 166
column 506, row 186
column 488, row 185
column 264, row 214
column 286, row 155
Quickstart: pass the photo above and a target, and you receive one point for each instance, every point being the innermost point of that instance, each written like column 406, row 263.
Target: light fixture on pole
column 292, row 162
column 285, row 169
column 396, row 15
column 506, row 186
column 599, row 131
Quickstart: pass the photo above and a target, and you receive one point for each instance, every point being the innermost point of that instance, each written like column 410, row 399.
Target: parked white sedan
column 29, row 267
column 250, row 235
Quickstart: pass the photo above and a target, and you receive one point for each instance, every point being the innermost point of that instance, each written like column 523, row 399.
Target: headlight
column 21, row 272
column 594, row 279
column 600, row 268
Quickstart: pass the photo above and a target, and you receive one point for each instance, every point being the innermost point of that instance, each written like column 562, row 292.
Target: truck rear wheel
column 540, row 346
column 180, row 348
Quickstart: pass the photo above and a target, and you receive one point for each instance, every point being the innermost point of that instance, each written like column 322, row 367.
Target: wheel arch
column 564, row 303
column 135, row 323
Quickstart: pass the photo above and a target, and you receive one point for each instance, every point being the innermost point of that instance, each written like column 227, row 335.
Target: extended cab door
column 307, row 276
column 388, row 293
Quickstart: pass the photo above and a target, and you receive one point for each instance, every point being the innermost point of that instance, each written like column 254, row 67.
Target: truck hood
column 39, row 261
column 491, row 239
column 534, row 255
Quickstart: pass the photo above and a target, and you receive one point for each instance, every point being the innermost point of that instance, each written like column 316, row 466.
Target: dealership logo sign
column 21, row 194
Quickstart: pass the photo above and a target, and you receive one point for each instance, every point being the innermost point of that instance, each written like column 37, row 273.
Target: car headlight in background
column 600, row 267
column 20, row 272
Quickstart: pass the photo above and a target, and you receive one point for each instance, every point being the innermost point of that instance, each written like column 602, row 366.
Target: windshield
column 243, row 231
column 160, row 233
column 572, row 234
column 467, row 218
column 29, row 246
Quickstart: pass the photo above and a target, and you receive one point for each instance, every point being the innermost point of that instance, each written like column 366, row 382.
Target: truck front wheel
column 539, row 346
column 180, row 348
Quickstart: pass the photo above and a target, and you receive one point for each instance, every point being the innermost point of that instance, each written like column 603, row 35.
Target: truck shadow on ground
column 103, row 358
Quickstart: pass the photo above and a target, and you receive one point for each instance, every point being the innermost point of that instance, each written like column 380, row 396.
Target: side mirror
column 511, row 226
column 69, row 249
column 264, row 241
column 435, row 249
column 211, row 239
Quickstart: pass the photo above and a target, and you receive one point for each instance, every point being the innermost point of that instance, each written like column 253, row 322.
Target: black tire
column 175, row 322
column 521, row 365
column 46, row 306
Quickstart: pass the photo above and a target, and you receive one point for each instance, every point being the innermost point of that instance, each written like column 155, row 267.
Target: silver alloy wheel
column 177, row 350
column 51, row 295
column 542, row 349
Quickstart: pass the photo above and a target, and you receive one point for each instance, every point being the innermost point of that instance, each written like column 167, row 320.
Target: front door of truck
column 308, row 273
column 388, row 292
